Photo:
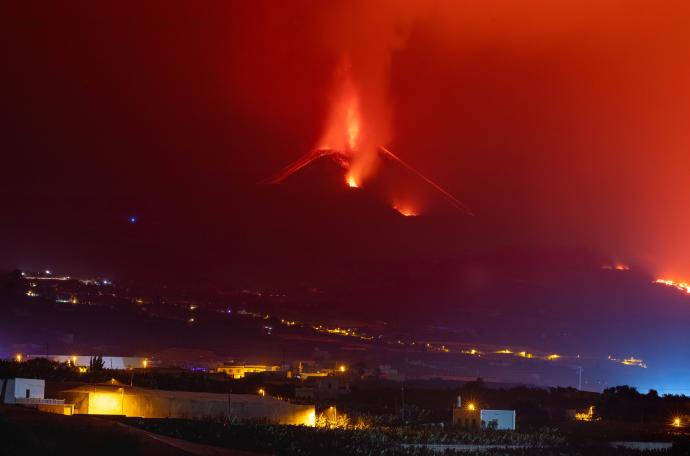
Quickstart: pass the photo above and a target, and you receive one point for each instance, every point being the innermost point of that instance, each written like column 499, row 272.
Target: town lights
column 676, row 422
column 145, row 363
column 342, row 368
column 471, row 407
column 261, row 392
column 18, row 357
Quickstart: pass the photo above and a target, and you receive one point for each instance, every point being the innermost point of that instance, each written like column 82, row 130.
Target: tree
column 96, row 363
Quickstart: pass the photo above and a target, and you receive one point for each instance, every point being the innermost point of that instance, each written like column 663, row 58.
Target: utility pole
column 402, row 395
column 579, row 377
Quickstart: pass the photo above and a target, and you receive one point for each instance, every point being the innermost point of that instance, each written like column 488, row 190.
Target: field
column 294, row 440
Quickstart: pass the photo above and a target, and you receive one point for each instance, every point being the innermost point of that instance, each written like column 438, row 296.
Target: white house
column 498, row 419
column 18, row 390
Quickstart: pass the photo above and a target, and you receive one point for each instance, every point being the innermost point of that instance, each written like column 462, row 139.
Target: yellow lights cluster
column 347, row 332
column 505, row 351
column 586, row 416
column 631, row 361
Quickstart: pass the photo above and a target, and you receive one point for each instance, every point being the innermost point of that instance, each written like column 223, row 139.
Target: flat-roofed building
column 114, row 398
column 470, row 416
column 29, row 392
column 241, row 370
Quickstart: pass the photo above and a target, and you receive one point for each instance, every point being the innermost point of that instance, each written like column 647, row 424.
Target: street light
column 18, row 357
column 261, row 392
column 676, row 422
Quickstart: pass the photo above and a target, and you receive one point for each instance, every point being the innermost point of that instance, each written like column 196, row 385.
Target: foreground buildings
column 115, row 398
column 470, row 416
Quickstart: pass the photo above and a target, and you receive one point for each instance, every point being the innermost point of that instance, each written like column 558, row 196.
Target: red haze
column 560, row 122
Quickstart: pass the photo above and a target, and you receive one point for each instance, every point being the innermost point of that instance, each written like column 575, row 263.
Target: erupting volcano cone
column 354, row 144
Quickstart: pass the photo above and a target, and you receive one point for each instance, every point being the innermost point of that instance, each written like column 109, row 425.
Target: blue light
column 132, row 220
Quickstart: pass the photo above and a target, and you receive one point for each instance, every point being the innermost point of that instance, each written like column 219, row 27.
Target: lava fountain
column 352, row 144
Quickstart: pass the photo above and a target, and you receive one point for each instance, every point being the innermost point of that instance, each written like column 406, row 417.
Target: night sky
column 563, row 125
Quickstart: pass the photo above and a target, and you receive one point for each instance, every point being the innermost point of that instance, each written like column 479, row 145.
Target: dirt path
column 188, row 447
column 26, row 431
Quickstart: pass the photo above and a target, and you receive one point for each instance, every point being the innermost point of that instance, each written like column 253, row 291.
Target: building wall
column 57, row 409
column 109, row 362
column 466, row 418
column 18, row 387
column 181, row 404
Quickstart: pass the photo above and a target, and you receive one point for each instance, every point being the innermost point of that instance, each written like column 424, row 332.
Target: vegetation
column 96, row 363
column 298, row 440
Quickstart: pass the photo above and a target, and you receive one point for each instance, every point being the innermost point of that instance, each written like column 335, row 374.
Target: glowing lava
column 343, row 130
column 405, row 211
column 682, row 286
column 351, row 181
column 352, row 125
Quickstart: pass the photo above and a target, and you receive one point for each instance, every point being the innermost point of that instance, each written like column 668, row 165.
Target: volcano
column 356, row 145
column 344, row 160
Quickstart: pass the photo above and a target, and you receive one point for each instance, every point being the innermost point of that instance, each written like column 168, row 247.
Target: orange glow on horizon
column 682, row 286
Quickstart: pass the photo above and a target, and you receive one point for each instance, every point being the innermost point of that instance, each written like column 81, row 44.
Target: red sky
column 557, row 122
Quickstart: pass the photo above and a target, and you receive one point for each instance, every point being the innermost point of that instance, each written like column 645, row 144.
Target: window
column 28, row 393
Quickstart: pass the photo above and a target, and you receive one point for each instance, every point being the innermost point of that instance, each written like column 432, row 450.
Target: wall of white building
column 23, row 388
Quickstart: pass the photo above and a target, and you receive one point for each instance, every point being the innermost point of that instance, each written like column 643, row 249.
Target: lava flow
column 349, row 142
column 682, row 286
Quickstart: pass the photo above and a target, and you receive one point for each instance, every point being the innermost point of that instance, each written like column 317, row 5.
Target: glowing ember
column 682, row 286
